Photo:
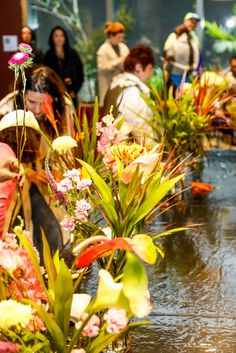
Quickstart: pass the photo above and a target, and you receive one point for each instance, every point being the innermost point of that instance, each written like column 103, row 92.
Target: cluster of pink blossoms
column 91, row 329
column 73, row 187
column 115, row 318
column 15, row 263
column 109, row 136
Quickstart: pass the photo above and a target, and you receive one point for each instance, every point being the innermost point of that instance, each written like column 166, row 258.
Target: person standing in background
column 182, row 53
column 110, row 57
column 28, row 37
column 65, row 61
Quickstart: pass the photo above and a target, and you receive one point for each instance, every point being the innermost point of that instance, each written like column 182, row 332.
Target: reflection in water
column 194, row 287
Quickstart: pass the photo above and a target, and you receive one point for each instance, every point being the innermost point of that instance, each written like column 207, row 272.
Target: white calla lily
column 108, row 291
column 19, row 118
column 78, row 306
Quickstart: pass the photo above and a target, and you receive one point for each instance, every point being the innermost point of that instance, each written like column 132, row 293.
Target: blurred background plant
column 185, row 119
column 224, row 38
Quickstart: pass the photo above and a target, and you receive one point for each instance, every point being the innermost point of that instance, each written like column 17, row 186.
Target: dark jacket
column 70, row 67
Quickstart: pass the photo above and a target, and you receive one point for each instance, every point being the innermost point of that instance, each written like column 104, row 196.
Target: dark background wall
column 10, row 24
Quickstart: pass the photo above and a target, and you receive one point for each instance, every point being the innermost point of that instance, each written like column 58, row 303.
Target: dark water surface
column 193, row 288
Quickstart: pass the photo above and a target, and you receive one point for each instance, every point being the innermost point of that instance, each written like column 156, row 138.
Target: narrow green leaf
column 170, row 231
column 63, row 297
column 48, row 263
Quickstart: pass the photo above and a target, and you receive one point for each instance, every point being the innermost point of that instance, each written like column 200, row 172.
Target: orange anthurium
column 101, row 250
column 48, row 111
column 200, row 188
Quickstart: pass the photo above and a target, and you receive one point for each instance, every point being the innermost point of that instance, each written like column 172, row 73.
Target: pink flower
column 82, row 208
column 18, row 58
column 99, row 128
column 81, row 350
column 91, row 329
column 25, row 48
column 64, row 185
column 73, row 174
column 68, row 224
column 116, row 320
column 84, row 184
column 8, row 347
column 108, row 119
column 110, row 132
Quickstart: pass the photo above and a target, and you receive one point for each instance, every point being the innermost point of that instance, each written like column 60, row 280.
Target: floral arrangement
column 39, row 313
column 109, row 190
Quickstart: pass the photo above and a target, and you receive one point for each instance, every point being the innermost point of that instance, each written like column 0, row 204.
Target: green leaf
column 94, row 125
column 63, row 297
column 152, row 198
column 48, row 263
column 170, row 231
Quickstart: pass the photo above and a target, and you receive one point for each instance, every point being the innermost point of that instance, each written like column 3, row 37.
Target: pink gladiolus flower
column 116, row 320
column 91, row 329
column 68, row 224
column 8, row 347
column 25, row 47
column 18, row 58
column 99, row 128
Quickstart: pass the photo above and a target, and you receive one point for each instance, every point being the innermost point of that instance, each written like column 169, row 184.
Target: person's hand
column 37, row 178
column 10, row 170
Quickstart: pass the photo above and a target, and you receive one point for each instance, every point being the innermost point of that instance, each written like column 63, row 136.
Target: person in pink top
column 10, row 174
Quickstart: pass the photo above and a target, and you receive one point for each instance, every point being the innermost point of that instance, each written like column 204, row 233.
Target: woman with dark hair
column 127, row 89
column 65, row 61
column 110, row 56
column 28, row 37
column 44, row 92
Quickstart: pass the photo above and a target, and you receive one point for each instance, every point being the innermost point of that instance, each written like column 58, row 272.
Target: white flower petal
column 78, row 306
column 63, row 144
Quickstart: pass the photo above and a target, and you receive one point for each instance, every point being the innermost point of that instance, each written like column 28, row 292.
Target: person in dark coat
column 65, row 61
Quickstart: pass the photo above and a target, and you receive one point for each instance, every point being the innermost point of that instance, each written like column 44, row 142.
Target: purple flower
column 8, row 347
column 52, row 182
column 19, row 58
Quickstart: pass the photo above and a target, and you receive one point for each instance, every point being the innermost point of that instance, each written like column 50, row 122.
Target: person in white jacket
column 127, row 91
column 110, row 57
